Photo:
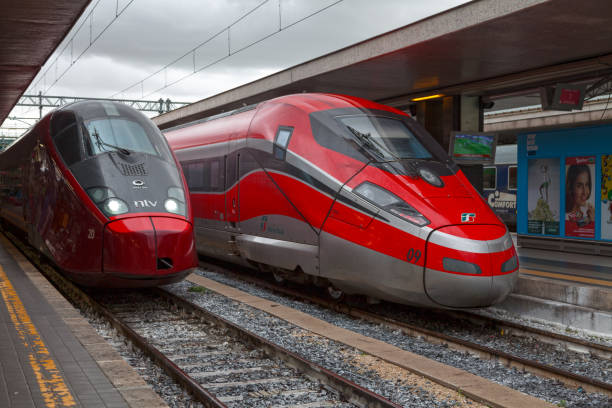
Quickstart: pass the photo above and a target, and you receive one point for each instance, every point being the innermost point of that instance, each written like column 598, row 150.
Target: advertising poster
column 580, row 197
column 606, row 196
column 543, row 196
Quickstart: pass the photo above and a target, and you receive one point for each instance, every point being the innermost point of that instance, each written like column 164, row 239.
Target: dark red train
column 95, row 187
column 347, row 193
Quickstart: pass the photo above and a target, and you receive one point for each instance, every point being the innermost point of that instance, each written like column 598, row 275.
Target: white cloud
column 150, row 34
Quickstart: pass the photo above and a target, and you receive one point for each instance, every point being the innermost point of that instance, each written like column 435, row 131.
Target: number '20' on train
column 95, row 187
column 344, row 193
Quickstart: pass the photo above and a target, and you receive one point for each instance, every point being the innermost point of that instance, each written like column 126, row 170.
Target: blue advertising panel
column 565, row 183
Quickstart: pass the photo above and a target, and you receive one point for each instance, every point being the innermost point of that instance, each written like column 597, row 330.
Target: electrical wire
column 209, row 39
column 230, row 53
column 92, row 41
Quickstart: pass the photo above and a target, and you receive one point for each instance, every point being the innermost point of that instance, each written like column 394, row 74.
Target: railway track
column 217, row 362
column 223, row 364
column 567, row 377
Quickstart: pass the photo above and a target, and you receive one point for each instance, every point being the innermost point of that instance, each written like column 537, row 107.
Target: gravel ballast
column 549, row 390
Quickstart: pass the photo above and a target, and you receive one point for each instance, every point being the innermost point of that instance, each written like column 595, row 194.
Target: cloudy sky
column 125, row 56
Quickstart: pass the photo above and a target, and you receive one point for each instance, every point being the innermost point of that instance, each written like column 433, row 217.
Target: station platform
column 49, row 355
column 573, row 290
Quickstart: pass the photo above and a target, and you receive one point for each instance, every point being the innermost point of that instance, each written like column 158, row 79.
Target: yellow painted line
column 50, row 381
column 567, row 277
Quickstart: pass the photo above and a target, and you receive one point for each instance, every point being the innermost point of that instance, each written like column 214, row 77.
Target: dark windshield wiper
column 365, row 141
column 100, row 143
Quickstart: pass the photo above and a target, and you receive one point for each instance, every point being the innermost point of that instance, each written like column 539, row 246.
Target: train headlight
column 176, row 201
column 174, row 206
column 115, row 206
column 388, row 201
column 99, row 194
column 456, row 265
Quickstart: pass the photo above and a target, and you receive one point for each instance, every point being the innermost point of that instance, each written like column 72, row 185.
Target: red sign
column 570, row 97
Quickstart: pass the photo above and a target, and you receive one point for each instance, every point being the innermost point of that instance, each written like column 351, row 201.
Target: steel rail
column 566, row 377
column 348, row 390
column 77, row 296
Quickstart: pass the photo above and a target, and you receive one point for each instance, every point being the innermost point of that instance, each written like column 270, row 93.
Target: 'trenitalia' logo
column 468, row 217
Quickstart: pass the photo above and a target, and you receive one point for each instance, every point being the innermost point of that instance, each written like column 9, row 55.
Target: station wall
column 565, row 183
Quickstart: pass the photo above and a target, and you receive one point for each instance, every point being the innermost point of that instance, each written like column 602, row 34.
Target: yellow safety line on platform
column 50, row 381
column 566, row 277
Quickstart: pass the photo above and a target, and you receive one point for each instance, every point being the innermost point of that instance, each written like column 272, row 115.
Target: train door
column 232, row 186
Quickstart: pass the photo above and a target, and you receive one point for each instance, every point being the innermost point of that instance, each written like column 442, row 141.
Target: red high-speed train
column 347, row 193
column 94, row 186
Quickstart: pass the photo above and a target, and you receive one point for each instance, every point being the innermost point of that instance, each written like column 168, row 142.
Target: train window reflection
column 67, row 143
column 512, row 178
column 385, row 138
column 110, row 134
column 281, row 141
column 489, row 179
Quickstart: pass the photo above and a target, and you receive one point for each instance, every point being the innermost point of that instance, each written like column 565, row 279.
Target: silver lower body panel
column 464, row 291
column 359, row 270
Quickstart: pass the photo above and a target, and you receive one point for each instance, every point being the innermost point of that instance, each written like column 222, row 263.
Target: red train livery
column 347, row 193
column 95, row 187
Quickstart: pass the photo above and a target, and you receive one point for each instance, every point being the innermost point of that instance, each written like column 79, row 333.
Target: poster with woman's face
column 580, row 197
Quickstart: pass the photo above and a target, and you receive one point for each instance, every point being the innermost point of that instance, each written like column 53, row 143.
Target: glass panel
column 489, row 179
column 282, row 138
column 110, row 134
column 385, row 138
column 512, row 177
column 67, row 143
column 196, row 176
column 214, row 175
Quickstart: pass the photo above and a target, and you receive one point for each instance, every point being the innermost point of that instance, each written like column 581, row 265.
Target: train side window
column 512, row 178
column 281, row 141
column 489, row 179
column 216, row 176
column 66, row 137
column 195, row 176
column 68, row 144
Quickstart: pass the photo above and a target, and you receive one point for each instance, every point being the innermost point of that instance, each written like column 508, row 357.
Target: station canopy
column 483, row 47
column 30, row 31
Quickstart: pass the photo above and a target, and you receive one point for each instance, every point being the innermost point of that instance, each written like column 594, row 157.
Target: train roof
column 308, row 102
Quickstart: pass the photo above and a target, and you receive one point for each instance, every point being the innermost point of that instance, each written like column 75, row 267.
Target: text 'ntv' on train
column 94, row 186
column 347, row 193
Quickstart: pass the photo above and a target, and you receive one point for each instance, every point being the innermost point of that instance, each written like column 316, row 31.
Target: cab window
column 65, row 135
column 281, row 141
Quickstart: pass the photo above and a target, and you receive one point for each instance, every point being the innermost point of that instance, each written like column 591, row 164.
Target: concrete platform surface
column 49, row 355
column 573, row 290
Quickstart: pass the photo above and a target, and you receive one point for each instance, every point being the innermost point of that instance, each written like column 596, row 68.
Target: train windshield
column 385, row 138
column 110, row 127
column 108, row 134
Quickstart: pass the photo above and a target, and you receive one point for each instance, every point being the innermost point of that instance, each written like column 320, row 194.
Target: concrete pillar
column 440, row 117
column 450, row 113
column 471, row 114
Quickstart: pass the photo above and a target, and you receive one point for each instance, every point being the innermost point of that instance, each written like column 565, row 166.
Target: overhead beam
column 46, row 101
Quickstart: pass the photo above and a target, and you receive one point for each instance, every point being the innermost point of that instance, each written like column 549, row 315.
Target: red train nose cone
column 470, row 265
column 148, row 248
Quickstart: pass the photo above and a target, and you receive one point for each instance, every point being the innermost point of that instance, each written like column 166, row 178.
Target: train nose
column 470, row 265
column 148, row 247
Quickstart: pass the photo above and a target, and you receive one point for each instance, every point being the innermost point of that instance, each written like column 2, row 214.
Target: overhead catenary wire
column 229, row 52
column 208, row 40
column 70, row 43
